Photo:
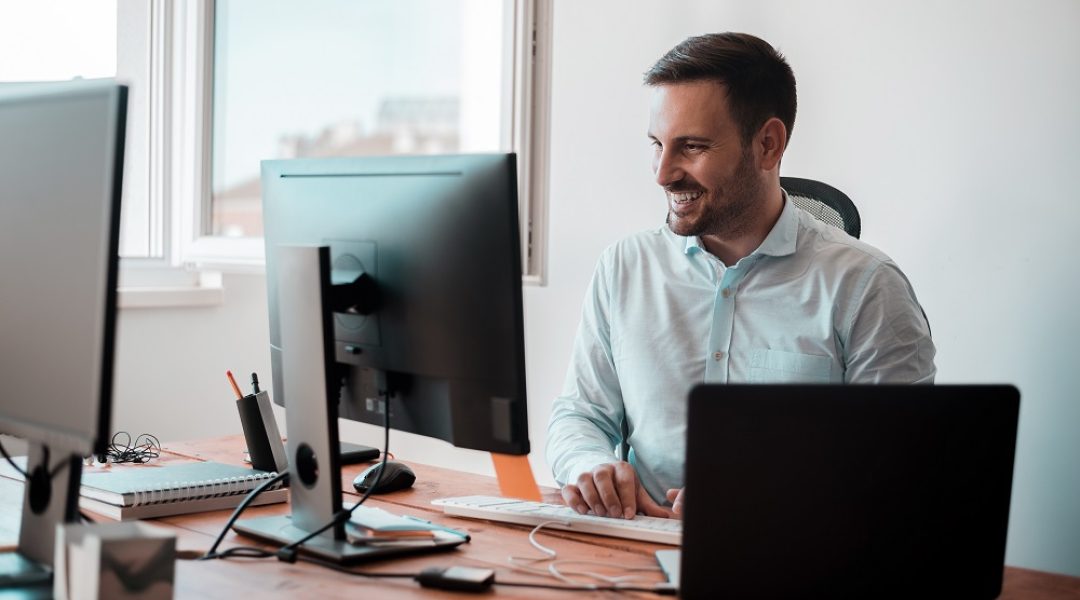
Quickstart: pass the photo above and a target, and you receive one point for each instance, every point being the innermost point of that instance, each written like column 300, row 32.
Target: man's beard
column 727, row 211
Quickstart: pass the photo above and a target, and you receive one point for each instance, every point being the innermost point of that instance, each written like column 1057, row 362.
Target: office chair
column 825, row 202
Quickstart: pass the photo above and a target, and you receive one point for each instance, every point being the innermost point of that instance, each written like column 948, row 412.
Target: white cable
column 553, row 569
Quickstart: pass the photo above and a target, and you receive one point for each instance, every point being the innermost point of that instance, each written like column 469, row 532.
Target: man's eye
column 693, row 147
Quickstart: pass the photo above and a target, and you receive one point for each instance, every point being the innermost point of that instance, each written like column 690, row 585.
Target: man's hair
column 760, row 84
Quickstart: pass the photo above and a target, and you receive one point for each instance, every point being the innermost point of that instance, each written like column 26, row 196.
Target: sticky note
column 515, row 477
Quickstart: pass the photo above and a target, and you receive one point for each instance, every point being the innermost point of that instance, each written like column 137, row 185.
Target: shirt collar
column 780, row 241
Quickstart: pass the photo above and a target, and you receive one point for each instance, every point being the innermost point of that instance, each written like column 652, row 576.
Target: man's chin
column 682, row 227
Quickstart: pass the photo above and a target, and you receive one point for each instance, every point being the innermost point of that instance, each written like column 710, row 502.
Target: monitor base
column 18, row 571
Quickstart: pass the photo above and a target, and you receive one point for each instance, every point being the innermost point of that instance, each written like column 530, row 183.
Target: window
column 215, row 87
column 69, row 39
column 348, row 78
column 263, row 79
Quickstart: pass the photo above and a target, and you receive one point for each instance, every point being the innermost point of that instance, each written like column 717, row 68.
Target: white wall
column 952, row 125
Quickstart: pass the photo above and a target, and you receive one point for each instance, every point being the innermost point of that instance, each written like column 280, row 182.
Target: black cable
column 212, row 552
column 663, row 589
column 288, row 553
column 11, row 461
column 341, row 569
column 145, row 448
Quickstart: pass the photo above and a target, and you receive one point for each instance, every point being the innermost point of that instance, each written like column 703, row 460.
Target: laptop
column 828, row 491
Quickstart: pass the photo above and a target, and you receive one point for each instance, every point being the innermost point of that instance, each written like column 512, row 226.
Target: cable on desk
column 554, row 565
column 664, row 589
column 145, row 448
column 212, row 552
column 288, row 553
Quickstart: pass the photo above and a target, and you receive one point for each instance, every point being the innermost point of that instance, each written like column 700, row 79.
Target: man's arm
column 586, row 419
column 889, row 336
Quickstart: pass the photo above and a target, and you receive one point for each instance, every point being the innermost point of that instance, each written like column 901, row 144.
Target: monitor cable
column 52, row 473
column 289, row 552
column 282, row 478
column 11, row 461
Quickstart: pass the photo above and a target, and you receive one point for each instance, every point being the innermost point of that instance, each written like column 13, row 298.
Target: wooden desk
column 492, row 544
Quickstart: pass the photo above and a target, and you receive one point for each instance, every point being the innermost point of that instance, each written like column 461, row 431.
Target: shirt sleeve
column 889, row 337
column 586, row 419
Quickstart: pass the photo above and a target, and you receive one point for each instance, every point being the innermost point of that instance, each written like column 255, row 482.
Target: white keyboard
column 509, row 510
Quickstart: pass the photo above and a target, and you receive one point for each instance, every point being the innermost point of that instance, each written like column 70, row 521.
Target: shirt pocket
column 777, row 366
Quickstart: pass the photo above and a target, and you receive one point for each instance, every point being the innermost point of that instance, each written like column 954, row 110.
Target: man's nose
column 667, row 169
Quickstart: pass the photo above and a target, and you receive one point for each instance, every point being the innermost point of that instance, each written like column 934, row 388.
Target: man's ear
column 770, row 143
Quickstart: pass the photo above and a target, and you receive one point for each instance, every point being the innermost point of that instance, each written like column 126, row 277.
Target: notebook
column 147, row 492
column 368, row 524
column 376, row 528
column 848, row 491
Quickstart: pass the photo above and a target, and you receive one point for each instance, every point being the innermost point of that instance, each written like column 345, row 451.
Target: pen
column 235, row 387
column 255, row 383
column 467, row 537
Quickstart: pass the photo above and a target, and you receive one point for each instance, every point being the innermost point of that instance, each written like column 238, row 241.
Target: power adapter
column 460, row 579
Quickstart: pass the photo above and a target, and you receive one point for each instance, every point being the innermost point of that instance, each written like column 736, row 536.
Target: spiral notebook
column 149, row 492
column 146, row 492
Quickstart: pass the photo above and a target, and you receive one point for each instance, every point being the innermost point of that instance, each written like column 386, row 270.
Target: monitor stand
column 310, row 415
column 47, row 502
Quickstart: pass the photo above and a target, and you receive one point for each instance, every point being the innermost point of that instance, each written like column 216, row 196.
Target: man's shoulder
column 826, row 241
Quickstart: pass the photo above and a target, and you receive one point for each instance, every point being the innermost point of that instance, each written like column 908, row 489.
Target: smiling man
column 739, row 285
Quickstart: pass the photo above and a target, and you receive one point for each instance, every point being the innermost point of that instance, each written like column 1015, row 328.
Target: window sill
column 169, row 288
column 168, row 297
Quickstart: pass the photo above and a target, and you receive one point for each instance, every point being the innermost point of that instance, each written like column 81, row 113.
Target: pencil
column 235, row 387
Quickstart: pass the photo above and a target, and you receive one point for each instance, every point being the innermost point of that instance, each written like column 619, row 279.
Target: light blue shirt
column 662, row 314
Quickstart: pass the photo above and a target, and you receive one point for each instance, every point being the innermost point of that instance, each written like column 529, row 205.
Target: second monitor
column 426, row 265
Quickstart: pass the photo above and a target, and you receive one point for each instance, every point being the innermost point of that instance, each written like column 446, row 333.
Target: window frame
column 181, row 85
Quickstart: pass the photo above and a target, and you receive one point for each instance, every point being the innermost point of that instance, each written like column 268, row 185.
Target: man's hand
column 675, row 497
column 612, row 490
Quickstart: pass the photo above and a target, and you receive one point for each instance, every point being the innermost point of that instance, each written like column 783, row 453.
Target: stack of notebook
column 149, row 491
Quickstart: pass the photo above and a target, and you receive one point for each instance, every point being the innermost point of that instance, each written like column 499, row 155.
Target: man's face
column 709, row 176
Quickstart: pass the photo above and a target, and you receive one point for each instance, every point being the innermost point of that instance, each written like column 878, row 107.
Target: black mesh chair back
column 825, row 202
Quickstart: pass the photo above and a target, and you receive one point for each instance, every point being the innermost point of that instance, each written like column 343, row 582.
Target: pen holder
column 261, row 432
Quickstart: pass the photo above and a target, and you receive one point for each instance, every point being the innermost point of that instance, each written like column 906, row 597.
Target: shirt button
column 718, row 355
column 726, row 292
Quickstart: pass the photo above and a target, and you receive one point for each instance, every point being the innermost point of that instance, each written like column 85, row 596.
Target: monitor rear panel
column 61, row 156
column 439, row 235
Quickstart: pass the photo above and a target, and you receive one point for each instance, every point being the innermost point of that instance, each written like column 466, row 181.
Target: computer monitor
column 421, row 304
column 61, row 165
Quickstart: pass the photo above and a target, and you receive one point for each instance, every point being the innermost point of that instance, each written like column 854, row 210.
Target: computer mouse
column 398, row 476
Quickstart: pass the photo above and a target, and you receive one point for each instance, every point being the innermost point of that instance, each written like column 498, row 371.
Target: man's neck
column 732, row 249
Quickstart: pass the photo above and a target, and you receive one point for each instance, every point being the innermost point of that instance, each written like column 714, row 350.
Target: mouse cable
column 288, row 553
column 212, row 552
